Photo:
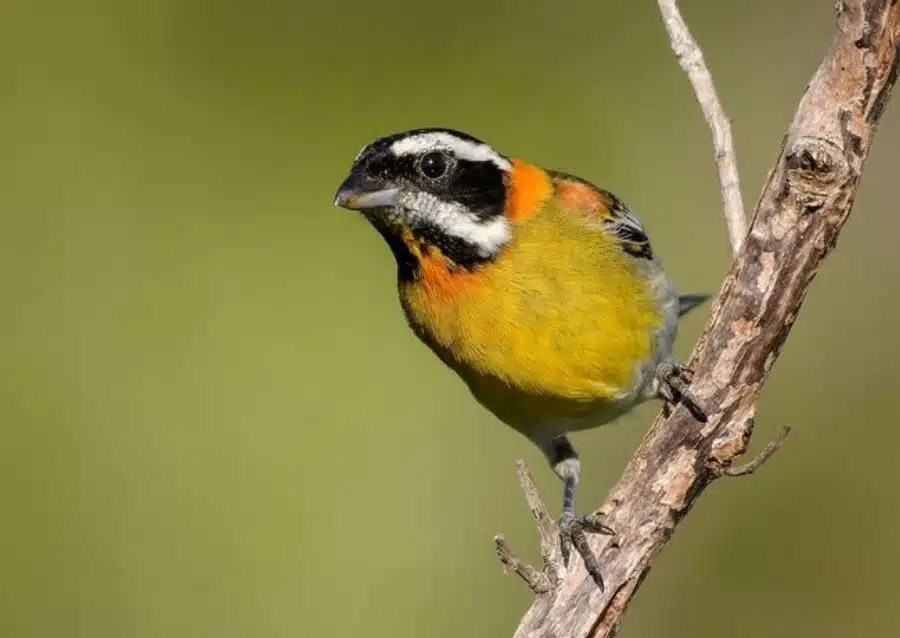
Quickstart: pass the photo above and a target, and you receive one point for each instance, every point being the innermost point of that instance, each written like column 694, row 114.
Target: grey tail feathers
column 687, row 303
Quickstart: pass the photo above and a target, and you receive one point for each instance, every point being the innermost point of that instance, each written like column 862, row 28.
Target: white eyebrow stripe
column 463, row 149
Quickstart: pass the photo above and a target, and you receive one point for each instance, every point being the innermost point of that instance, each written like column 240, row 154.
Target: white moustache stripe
column 462, row 149
column 487, row 236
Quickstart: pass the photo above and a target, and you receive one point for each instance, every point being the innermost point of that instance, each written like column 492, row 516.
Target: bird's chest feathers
column 556, row 315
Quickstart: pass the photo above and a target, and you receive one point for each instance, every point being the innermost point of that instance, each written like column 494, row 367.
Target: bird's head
column 443, row 193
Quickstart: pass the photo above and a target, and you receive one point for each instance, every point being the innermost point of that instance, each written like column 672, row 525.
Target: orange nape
column 576, row 195
column 528, row 187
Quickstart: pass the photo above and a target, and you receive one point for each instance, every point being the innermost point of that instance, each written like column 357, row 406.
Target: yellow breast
column 557, row 323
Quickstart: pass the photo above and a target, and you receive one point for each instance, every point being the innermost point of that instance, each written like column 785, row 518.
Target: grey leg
column 573, row 528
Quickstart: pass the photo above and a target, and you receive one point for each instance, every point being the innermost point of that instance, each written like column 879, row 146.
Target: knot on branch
column 816, row 160
column 814, row 167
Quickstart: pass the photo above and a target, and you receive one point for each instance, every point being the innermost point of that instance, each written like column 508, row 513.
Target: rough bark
column 805, row 201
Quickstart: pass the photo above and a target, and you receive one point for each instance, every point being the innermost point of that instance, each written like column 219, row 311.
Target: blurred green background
column 214, row 420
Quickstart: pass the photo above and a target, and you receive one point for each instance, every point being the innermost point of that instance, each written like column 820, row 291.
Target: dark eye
column 433, row 165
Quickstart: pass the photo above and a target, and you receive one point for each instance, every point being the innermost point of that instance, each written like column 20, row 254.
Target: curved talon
column 573, row 530
column 673, row 381
column 594, row 524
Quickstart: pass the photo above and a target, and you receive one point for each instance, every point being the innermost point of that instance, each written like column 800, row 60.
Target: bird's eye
column 433, row 165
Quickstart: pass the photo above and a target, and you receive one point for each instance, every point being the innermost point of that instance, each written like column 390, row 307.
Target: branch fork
column 548, row 579
column 765, row 454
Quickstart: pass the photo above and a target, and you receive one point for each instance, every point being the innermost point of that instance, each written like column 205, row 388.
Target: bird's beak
column 359, row 192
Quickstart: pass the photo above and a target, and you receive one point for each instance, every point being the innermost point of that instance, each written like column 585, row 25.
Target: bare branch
column 537, row 581
column 544, row 581
column 551, row 552
column 808, row 196
column 690, row 57
column 762, row 457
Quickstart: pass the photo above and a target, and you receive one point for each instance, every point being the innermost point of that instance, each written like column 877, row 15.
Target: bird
column 540, row 290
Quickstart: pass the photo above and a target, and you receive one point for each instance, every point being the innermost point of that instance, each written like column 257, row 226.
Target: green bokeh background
column 214, row 420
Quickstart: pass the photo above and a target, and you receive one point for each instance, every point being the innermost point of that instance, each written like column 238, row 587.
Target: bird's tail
column 686, row 303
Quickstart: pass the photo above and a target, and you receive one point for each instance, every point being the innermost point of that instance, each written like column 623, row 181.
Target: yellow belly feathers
column 554, row 328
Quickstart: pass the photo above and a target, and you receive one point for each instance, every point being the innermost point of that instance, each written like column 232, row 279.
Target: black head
column 438, row 186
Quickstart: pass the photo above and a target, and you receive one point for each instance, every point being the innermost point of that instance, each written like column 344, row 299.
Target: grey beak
column 359, row 192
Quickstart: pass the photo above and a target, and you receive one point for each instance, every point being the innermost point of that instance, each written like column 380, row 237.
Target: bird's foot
column 573, row 531
column 557, row 540
column 673, row 379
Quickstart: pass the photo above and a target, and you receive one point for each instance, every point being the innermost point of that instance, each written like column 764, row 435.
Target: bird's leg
column 672, row 381
column 573, row 528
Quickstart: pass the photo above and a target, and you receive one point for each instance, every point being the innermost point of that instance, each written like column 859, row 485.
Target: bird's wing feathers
column 624, row 224
column 615, row 217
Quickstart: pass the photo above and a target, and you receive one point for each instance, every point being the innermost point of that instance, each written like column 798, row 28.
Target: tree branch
column 551, row 552
column 757, row 462
column 806, row 199
column 690, row 57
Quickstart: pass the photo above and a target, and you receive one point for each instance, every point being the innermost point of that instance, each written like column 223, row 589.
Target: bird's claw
column 673, row 380
column 573, row 530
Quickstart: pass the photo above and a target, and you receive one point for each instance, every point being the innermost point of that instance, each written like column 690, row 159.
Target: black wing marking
column 619, row 220
column 626, row 226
